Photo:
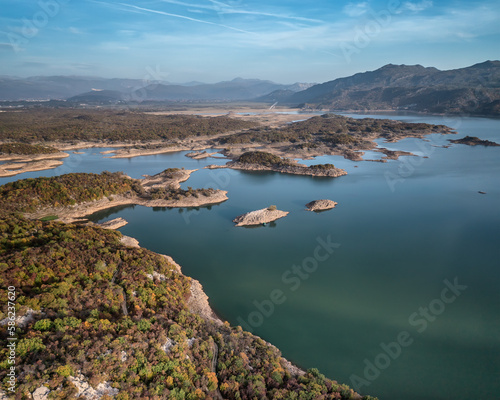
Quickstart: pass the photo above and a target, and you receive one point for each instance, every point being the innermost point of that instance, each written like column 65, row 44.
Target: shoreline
column 72, row 214
column 199, row 303
column 19, row 164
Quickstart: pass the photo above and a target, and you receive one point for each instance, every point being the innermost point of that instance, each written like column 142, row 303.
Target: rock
column 129, row 241
column 42, row 393
column 320, row 205
column 84, row 388
column 259, row 217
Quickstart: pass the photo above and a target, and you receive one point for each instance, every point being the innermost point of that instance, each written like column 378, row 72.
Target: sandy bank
column 12, row 169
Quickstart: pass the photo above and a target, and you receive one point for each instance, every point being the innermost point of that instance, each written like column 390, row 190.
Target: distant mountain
column 60, row 87
column 95, row 90
column 474, row 90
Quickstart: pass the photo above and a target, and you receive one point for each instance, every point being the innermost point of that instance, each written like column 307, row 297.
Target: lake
column 395, row 292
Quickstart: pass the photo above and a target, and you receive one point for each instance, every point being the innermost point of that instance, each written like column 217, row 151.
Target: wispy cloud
column 224, row 8
column 417, row 7
column 184, row 17
column 356, row 9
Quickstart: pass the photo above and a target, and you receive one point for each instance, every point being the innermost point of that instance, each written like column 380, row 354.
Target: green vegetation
column 272, row 208
column 322, row 167
column 25, row 149
column 100, row 312
column 49, row 218
column 107, row 125
column 30, row 194
column 263, row 158
column 179, row 194
column 333, row 131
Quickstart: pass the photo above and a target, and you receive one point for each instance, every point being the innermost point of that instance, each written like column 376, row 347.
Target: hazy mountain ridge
column 474, row 89
column 79, row 89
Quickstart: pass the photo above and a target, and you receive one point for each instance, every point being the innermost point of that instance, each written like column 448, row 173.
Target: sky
column 210, row 41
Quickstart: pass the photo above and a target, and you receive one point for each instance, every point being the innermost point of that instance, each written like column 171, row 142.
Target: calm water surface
column 402, row 229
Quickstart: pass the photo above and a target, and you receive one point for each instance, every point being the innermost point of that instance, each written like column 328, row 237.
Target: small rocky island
column 474, row 141
column 262, row 161
column 260, row 217
column 321, row 205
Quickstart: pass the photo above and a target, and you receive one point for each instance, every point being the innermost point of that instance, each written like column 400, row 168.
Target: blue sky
column 209, row 41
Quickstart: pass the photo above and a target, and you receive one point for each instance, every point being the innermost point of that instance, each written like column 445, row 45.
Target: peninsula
column 73, row 196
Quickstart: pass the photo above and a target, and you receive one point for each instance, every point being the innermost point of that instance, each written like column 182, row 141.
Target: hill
column 473, row 90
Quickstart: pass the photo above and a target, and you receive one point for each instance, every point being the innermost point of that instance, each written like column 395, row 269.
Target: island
column 474, row 141
column 263, row 161
column 321, row 205
column 260, row 217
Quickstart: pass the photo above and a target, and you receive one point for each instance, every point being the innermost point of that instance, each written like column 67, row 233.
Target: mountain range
column 474, row 90
column 102, row 90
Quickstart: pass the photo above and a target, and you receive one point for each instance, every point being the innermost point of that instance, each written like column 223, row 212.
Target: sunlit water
column 403, row 232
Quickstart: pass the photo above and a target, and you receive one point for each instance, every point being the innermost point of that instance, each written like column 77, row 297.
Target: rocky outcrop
column 198, row 155
column 474, row 141
column 113, row 224
column 170, row 178
column 321, row 205
column 259, row 217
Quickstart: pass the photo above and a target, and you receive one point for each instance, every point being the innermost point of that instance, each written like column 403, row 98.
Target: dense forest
column 118, row 316
column 263, row 158
column 332, row 130
column 38, row 125
column 32, row 194
column 28, row 195
column 8, row 149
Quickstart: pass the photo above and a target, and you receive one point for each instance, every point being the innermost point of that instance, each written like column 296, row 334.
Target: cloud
column 33, row 64
column 183, row 17
column 75, row 31
column 356, row 9
column 5, row 46
column 224, row 8
column 417, row 7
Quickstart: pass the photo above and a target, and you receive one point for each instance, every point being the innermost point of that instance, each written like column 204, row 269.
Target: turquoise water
column 402, row 229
